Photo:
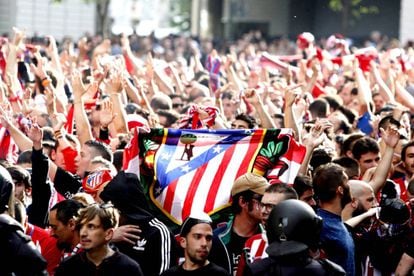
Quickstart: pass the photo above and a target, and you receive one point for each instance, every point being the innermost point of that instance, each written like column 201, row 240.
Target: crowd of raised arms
column 71, row 199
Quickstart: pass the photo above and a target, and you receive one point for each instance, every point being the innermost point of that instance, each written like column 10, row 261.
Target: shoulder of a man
column 331, row 268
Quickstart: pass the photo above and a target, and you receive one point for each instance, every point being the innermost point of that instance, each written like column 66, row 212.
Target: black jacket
column 117, row 264
column 156, row 251
column 18, row 254
column 293, row 264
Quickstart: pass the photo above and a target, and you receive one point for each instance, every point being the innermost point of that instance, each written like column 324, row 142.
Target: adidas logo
column 140, row 245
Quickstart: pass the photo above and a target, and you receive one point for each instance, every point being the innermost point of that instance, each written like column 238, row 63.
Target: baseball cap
column 193, row 219
column 250, row 181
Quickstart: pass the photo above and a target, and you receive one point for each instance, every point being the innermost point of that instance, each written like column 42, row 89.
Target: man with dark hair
column 23, row 184
column 331, row 186
column 346, row 148
column 320, row 156
column 229, row 105
column 304, row 188
column 95, row 226
column 167, row 118
column 196, row 237
column 243, row 121
column 319, row 108
column 229, row 240
column 25, row 159
column 367, row 152
column 350, row 165
column 62, row 222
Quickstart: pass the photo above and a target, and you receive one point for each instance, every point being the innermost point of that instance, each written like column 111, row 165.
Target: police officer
column 293, row 231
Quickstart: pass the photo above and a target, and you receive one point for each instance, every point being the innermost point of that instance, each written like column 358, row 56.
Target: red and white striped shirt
column 254, row 249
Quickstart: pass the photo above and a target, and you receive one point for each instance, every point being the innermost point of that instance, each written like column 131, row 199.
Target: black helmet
column 292, row 226
column 6, row 190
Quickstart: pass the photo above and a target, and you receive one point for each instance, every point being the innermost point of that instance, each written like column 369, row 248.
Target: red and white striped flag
column 195, row 169
column 274, row 63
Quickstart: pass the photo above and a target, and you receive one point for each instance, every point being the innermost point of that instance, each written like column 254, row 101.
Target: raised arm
column 391, row 137
column 83, row 128
column 115, row 92
column 290, row 120
column 311, row 141
column 254, row 99
column 384, row 90
column 364, row 91
column 21, row 140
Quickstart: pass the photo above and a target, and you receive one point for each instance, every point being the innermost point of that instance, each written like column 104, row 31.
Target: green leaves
column 272, row 149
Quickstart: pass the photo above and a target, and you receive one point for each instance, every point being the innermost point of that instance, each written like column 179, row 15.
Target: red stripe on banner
column 195, row 182
column 169, row 196
column 253, row 145
column 218, row 177
column 298, row 151
column 131, row 150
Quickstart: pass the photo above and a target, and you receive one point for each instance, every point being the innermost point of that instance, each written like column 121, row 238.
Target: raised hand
column 19, row 36
column 78, row 86
column 58, row 120
column 106, row 114
column 51, row 49
column 114, row 84
column 35, row 133
column 252, row 97
column 390, row 137
column 316, row 136
column 5, row 119
column 38, row 69
column 149, row 65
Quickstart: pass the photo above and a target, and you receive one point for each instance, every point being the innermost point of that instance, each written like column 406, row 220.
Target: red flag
column 8, row 148
column 130, row 161
column 69, row 120
column 318, row 90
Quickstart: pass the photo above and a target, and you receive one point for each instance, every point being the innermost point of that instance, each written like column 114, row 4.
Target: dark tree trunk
column 102, row 18
column 346, row 8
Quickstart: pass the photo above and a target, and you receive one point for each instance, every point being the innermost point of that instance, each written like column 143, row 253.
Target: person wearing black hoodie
column 15, row 247
column 156, row 250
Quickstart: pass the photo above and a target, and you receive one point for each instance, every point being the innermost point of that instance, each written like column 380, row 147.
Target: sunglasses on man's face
column 176, row 105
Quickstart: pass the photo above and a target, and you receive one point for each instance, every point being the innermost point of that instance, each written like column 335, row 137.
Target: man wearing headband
column 196, row 239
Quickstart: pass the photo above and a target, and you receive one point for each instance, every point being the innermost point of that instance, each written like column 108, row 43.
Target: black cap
column 193, row 219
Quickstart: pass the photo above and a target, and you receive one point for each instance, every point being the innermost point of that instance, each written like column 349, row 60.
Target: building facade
column 277, row 18
column 42, row 17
